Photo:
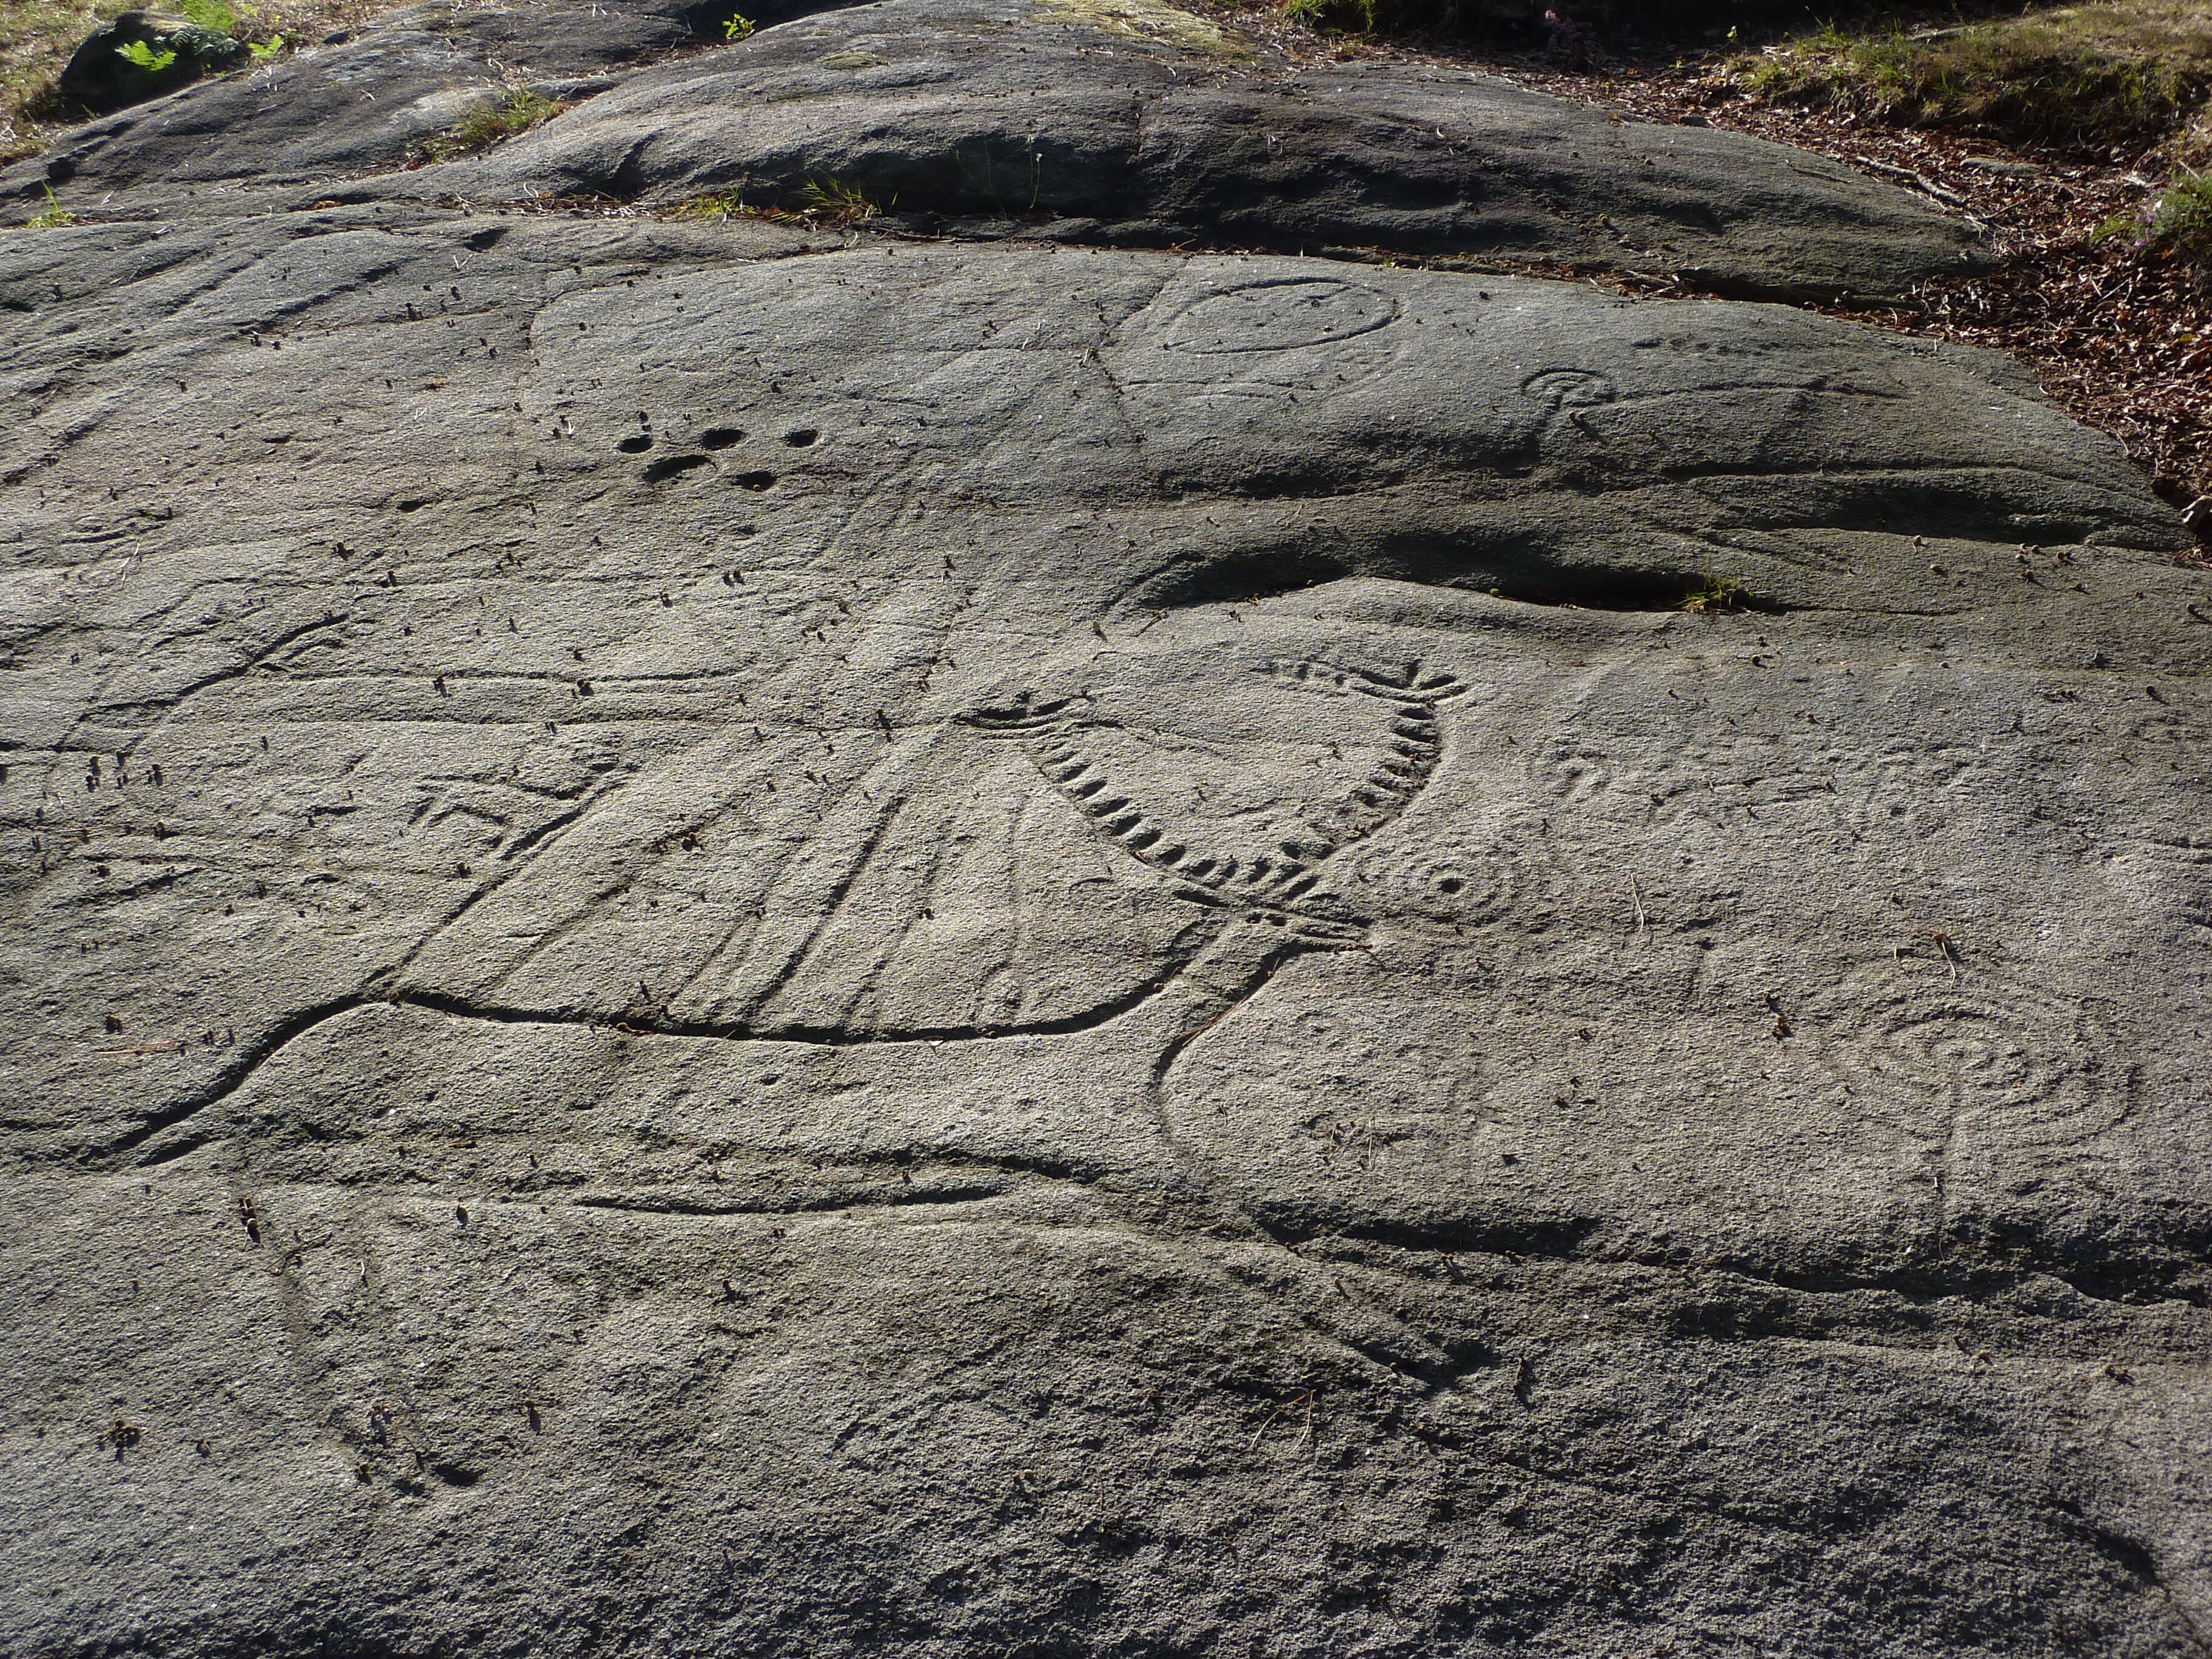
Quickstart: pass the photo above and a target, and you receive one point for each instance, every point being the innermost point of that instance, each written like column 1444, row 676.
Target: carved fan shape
column 946, row 895
column 1037, row 865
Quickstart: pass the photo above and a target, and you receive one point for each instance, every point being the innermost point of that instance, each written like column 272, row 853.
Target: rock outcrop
column 751, row 936
column 1126, row 122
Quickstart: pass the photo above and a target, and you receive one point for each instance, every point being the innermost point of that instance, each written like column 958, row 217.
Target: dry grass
column 821, row 203
column 38, row 36
column 2085, row 77
column 1713, row 596
column 2128, row 82
column 2174, row 224
column 515, row 112
column 36, row 39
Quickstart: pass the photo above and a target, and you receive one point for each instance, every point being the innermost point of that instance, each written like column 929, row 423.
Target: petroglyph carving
column 1146, row 794
column 1571, row 388
column 1039, row 863
column 2173, row 873
column 1978, row 1055
column 1278, row 316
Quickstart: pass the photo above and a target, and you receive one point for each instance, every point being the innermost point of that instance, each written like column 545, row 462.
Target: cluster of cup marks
column 715, row 438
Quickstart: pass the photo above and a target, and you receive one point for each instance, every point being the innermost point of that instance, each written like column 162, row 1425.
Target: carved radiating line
column 795, row 956
column 1264, row 890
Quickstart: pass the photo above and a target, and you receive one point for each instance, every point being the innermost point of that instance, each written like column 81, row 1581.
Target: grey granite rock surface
column 1108, row 121
column 1117, row 121
column 360, row 101
column 737, row 937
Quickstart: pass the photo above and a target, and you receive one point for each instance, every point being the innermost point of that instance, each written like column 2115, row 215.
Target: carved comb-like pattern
column 1389, row 754
column 1416, row 735
column 1410, row 682
column 1275, row 877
